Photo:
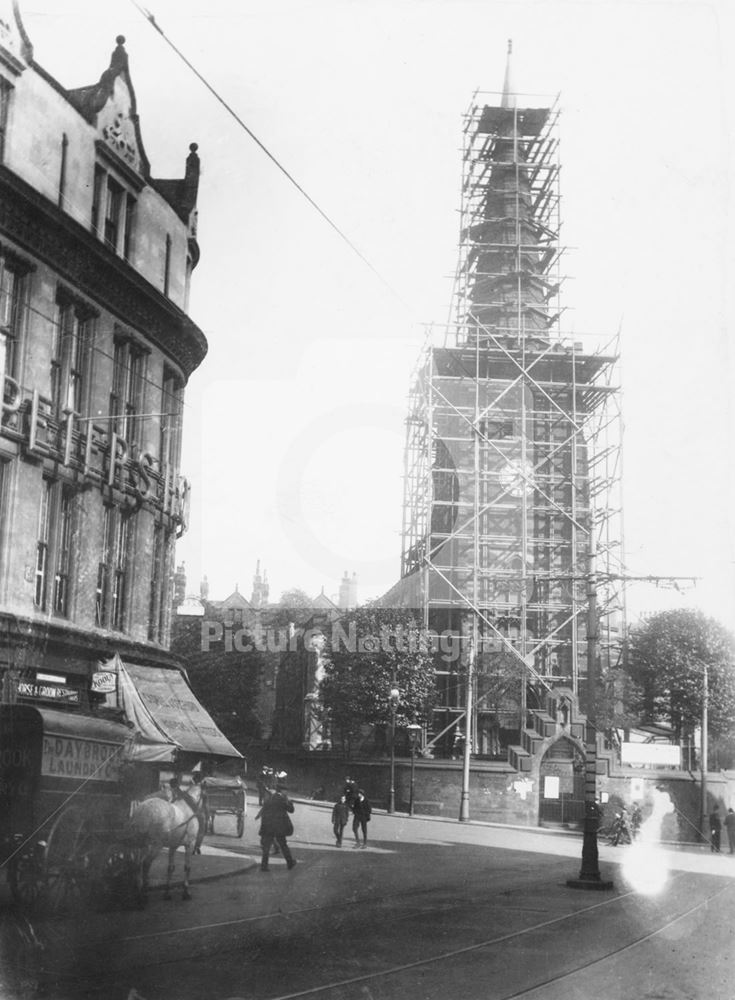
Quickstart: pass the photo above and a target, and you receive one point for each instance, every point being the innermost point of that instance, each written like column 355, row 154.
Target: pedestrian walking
column 350, row 791
column 715, row 828
column 340, row 816
column 730, row 827
column 263, row 779
column 361, row 810
column 636, row 818
column 275, row 825
column 622, row 828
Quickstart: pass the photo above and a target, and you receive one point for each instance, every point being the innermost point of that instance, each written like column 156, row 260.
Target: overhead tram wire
column 274, row 159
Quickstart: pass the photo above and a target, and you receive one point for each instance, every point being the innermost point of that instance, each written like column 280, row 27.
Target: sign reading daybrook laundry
column 66, row 757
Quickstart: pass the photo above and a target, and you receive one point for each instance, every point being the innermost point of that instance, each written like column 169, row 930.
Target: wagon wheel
column 240, row 824
column 113, row 875
column 70, row 861
column 27, row 877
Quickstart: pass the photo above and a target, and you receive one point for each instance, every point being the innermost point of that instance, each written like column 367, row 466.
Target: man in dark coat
column 362, row 810
column 275, row 824
column 350, row 791
column 730, row 827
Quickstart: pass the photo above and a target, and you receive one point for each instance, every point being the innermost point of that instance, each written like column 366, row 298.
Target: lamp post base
column 589, row 876
column 589, row 882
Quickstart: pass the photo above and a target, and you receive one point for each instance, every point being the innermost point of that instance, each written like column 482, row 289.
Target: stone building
column 269, row 657
column 96, row 347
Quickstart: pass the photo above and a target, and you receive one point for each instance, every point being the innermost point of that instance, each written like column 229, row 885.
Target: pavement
column 219, row 862
column 227, row 857
column 213, row 863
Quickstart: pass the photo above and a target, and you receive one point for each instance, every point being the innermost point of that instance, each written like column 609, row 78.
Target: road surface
column 431, row 909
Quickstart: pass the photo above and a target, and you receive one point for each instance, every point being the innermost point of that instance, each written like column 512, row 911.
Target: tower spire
column 508, row 99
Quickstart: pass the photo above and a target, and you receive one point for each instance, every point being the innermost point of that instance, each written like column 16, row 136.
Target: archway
column 561, row 785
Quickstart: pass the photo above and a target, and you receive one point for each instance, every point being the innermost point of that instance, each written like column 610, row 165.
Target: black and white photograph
column 367, row 500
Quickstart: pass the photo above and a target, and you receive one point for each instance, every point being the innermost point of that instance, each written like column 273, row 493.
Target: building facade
column 96, row 347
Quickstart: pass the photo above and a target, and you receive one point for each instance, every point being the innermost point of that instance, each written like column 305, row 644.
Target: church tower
column 513, row 472
column 259, row 597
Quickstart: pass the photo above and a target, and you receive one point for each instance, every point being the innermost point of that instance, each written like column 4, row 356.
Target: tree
column 295, row 606
column 667, row 654
column 376, row 649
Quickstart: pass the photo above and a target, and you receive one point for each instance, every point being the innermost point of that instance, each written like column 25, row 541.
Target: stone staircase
column 560, row 716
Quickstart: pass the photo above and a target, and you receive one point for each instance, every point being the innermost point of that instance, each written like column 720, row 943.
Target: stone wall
column 497, row 794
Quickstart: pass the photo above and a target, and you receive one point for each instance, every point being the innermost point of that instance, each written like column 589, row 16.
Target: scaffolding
column 512, row 529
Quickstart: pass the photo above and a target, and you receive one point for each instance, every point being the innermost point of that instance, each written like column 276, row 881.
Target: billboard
column 651, row 754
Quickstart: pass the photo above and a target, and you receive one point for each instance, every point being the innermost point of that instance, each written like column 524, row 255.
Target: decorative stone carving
column 118, row 135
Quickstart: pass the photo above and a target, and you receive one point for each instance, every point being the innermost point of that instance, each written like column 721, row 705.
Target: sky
column 293, row 434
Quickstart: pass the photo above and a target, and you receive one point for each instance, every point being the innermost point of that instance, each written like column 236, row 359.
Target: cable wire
column 342, row 235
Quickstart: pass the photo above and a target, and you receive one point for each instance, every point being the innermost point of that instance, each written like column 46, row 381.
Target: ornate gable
column 15, row 48
column 117, row 126
column 110, row 106
column 235, row 600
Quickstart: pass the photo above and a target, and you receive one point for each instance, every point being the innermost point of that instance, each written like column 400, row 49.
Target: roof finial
column 508, row 100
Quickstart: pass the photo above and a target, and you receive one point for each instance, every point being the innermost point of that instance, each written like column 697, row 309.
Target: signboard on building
column 67, row 757
column 104, row 682
column 49, row 692
column 651, row 754
column 551, row 786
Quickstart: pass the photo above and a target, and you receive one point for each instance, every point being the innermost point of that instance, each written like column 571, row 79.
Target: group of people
column 352, row 800
column 268, row 777
column 715, row 828
column 276, row 825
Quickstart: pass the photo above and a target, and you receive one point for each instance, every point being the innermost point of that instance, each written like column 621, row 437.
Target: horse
column 157, row 823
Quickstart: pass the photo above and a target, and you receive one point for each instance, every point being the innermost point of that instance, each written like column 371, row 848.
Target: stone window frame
column 71, row 363
column 114, row 202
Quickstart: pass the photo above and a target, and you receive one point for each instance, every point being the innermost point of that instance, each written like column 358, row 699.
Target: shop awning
column 166, row 713
column 82, row 727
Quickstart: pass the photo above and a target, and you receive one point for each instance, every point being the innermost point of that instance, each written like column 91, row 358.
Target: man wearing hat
column 275, row 824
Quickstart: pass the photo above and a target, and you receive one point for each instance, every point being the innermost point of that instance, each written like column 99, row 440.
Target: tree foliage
column 295, row 606
column 666, row 659
column 378, row 649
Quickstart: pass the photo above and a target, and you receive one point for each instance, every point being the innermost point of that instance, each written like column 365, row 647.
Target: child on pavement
column 340, row 815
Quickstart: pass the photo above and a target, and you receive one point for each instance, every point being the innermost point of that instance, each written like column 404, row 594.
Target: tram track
column 504, row 939
column 417, row 905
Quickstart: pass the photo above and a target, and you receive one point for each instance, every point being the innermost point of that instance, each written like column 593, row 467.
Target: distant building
column 348, row 592
column 96, row 347
column 267, row 642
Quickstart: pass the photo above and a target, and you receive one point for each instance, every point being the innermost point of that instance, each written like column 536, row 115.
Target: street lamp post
column 703, row 761
column 414, row 735
column 589, row 875
column 393, row 701
column 464, row 805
